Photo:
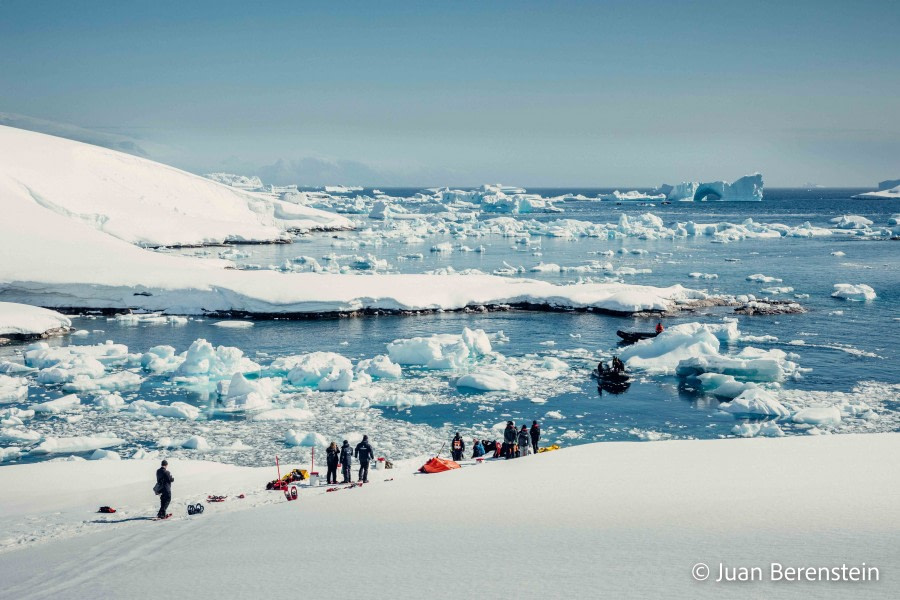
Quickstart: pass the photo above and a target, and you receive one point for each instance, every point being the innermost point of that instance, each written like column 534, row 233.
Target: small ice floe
column 859, row 292
column 66, row 445
column 698, row 275
column 234, row 324
column 760, row 278
column 488, row 380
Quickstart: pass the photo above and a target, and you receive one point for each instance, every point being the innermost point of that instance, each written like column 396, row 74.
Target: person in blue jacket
column 477, row 448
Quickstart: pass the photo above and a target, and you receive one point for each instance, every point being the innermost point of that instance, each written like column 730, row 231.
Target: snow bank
column 859, row 293
column 827, row 479
column 24, row 320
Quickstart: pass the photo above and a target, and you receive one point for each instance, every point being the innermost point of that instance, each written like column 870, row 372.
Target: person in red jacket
column 659, row 328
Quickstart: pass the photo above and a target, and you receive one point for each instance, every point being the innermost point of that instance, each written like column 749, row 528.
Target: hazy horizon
column 399, row 94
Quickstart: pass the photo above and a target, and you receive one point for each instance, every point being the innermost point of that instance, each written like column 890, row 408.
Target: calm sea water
column 845, row 343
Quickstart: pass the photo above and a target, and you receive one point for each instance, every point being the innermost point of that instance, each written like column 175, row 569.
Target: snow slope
column 24, row 320
column 135, row 199
column 622, row 520
column 47, row 259
column 52, row 258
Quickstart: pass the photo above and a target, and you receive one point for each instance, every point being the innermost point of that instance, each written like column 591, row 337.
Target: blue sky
column 626, row 93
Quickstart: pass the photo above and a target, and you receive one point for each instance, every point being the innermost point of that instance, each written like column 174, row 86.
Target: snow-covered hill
column 75, row 214
column 608, row 520
column 138, row 200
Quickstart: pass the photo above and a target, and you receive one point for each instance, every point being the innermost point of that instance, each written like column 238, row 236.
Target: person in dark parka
column 524, row 441
column 535, row 435
column 457, row 447
column 332, row 458
column 364, row 453
column 509, row 440
column 164, row 480
column 346, row 461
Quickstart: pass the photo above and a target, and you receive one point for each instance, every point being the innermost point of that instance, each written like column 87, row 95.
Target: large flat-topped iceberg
column 138, row 200
column 746, row 189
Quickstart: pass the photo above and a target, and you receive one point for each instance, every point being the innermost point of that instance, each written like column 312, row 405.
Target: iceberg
column 746, row 189
column 858, row 293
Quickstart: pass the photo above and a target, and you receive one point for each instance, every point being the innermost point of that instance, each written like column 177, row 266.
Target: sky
column 541, row 94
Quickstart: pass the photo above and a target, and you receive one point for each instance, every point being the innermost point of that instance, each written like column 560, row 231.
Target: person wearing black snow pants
column 164, row 480
column 346, row 461
column 535, row 435
column 364, row 453
column 457, row 447
column 333, row 457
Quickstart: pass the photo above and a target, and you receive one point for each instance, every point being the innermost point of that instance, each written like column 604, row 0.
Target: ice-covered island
column 81, row 217
column 887, row 190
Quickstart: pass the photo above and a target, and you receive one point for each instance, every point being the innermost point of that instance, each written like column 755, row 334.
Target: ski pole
column 441, row 450
column 277, row 467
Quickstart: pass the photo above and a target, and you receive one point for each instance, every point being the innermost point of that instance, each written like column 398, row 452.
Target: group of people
column 516, row 443
column 343, row 457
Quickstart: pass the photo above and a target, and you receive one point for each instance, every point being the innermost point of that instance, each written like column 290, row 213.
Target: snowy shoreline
column 647, row 513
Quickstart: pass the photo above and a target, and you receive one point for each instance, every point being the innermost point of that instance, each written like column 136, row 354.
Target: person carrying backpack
column 164, row 481
column 535, row 435
column 524, row 441
column 332, row 458
column 364, row 453
column 457, row 447
column 509, row 440
column 477, row 448
column 346, row 461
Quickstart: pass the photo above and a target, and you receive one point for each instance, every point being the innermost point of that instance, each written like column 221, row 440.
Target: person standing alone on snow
column 535, row 435
column 346, row 461
column 364, row 453
column 524, row 441
column 332, row 457
column 164, row 482
column 457, row 447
